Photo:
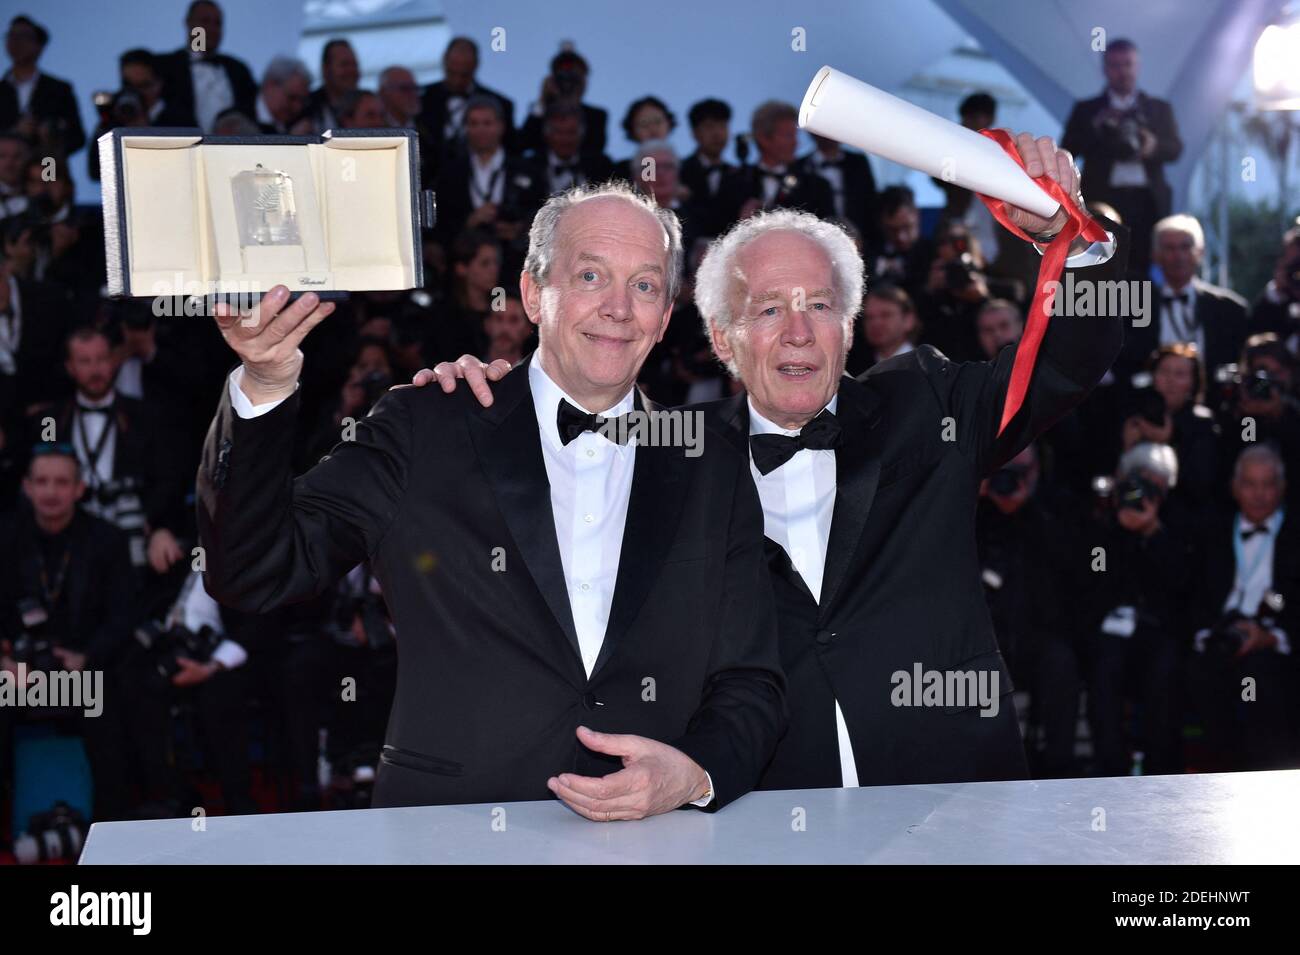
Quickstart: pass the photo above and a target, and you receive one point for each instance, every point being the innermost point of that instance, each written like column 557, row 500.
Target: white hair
column 718, row 277
column 1157, row 459
column 284, row 68
column 1182, row 222
column 542, row 234
column 1259, row 452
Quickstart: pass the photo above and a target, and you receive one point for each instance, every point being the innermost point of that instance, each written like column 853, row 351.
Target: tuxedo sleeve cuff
column 707, row 797
column 1283, row 644
column 229, row 654
column 1094, row 254
column 239, row 401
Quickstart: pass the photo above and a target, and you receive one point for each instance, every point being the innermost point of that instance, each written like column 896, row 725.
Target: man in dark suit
column 1124, row 138
column 442, row 106
column 200, row 82
column 1247, row 619
column 340, row 75
column 42, row 107
column 140, row 102
column 703, row 171
column 1186, row 308
column 282, row 99
column 775, row 181
column 565, row 85
column 638, row 601
column 869, row 490
column 853, row 187
column 563, row 163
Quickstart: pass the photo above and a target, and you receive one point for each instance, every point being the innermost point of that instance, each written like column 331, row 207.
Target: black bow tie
column 1185, row 296
column 567, row 167
column 833, row 163
column 90, row 409
column 1249, row 532
column 770, row 451
column 574, row 421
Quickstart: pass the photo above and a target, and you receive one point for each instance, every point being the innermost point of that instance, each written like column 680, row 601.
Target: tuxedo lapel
column 510, row 447
column 857, row 470
column 654, row 508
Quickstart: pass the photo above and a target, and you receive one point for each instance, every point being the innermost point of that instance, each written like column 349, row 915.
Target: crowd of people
column 1137, row 559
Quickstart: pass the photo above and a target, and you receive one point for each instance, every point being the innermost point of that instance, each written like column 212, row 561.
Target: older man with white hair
column 869, row 489
column 580, row 611
column 282, row 99
column 1189, row 309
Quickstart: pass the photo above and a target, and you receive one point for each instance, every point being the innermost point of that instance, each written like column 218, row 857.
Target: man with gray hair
column 1190, row 309
column 282, row 100
column 869, row 490
column 1246, row 620
column 576, row 615
column 775, row 181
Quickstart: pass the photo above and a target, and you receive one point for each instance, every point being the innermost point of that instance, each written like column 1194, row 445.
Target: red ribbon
column 1049, row 272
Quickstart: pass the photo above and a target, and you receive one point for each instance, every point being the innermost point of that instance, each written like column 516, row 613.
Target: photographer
column 139, row 102
column 1131, row 593
column 1277, row 309
column 68, row 604
column 1247, row 598
column 1258, row 404
column 955, row 290
column 1024, row 555
column 565, row 85
column 196, row 653
column 1125, row 138
column 40, row 107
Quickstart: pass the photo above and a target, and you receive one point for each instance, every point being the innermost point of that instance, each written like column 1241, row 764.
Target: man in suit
column 869, row 490
column 704, row 170
column 564, row 163
column 282, row 99
column 1124, row 138
column 640, row 614
column 565, row 85
column 42, row 107
column 1247, row 618
column 140, row 102
column 853, row 187
column 442, row 106
column 1189, row 309
column 200, row 82
column 340, row 75
column 775, row 181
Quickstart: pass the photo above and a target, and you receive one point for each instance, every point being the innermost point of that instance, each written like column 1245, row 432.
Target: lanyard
column 486, row 194
column 92, row 455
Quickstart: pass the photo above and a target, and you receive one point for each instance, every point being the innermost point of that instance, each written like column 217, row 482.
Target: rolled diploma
column 849, row 111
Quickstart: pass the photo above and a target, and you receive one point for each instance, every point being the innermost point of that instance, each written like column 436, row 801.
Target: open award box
column 189, row 214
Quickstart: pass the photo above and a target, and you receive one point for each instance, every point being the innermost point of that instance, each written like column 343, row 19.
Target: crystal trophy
column 264, row 208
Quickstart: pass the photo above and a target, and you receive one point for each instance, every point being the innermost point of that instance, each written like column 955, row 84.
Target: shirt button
column 824, row 637
column 591, row 453
column 588, row 518
column 584, row 587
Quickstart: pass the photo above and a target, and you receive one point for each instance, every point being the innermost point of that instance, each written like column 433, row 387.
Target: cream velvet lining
column 353, row 199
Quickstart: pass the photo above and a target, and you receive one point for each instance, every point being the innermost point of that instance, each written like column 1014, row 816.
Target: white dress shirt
column 1178, row 317
column 798, row 503
column 487, row 181
column 87, row 430
column 195, row 609
column 23, row 89
column 591, row 482
column 212, row 91
column 1254, row 575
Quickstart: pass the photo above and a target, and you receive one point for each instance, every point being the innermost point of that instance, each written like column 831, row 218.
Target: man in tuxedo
column 703, row 171
column 1247, row 613
column 42, row 107
column 1124, row 138
column 564, row 163
column 286, row 87
column 442, row 106
column 639, row 612
column 775, row 181
column 901, row 256
column 200, row 82
column 1189, row 309
column 565, row 85
column 853, row 187
column 340, row 75
column 869, row 489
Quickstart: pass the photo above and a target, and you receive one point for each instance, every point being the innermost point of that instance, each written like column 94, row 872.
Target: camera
column 1226, row 639
column 568, row 81
column 1006, row 481
column 34, row 647
column 122, row 108
column 54, row 835
column 1147, row 404
column 163, row 645
column 1123, row 135
column 1134, row 491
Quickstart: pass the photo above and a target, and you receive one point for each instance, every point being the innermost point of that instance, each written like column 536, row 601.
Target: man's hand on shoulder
column 475, row 372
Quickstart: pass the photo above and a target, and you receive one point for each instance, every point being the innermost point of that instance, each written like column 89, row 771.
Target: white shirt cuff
column 1094, row 254
column 239, row 401
column 229, row 654
column 1283, row 644
column 709, row 797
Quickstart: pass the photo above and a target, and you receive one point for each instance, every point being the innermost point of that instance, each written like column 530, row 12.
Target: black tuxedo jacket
column 178, row 85
column 595, row 168
column 53, row 101
column 1216, row 571
column 859, row 191
column 1220, row 311
column 523, row 193
column 800, row 189
column 902, row 583
column 433, row 112
column 450, row 503
column 1082, row 138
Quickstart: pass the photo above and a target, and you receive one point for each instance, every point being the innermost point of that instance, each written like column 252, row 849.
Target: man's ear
column 663, row 325
column 531, row 295
column 721, row 347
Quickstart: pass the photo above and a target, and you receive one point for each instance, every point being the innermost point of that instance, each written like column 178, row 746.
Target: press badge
column 1120, row 622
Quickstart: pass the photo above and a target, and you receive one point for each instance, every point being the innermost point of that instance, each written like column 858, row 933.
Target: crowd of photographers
column 1137, row 559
